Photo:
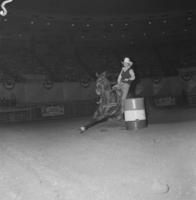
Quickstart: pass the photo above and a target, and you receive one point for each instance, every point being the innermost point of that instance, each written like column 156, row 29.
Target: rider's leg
column 125, row 89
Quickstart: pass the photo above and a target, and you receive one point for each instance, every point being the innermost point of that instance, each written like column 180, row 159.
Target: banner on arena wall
column 53, row 110
column 188, row 79
column 191, row 86
column 186, row 74
column 9, row 84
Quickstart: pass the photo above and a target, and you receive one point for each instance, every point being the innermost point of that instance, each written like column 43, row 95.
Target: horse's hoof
column 82, row 129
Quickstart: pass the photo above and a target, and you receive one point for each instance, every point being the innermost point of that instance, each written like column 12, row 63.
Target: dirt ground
column 51, row 160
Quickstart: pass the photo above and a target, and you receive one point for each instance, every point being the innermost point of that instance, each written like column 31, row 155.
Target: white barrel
column 135, row 114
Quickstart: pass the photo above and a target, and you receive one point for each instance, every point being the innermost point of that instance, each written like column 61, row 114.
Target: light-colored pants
column 125, row 89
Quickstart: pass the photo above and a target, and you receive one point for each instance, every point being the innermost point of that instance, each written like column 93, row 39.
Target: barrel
column 134, row 113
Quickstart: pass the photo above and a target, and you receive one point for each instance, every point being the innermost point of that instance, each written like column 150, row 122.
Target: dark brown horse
column 109, row 105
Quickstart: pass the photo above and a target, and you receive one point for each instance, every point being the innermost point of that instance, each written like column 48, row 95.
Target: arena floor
column 51, row 160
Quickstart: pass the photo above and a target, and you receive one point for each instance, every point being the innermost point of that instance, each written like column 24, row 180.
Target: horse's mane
column 107, row 94
column 104, row 81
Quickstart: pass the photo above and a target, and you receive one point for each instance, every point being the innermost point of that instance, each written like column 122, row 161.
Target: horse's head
column 102, row 84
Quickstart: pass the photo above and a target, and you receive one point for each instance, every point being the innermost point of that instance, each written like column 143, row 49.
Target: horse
column 109, row 104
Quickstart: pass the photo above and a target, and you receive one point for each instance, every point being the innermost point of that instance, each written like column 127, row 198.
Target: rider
column 125, row 77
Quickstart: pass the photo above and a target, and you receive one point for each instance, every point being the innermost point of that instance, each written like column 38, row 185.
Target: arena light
column 32, row 22
column 4, row 12
column 149, row 22
column 189, row 18
column 164, row 18
column 122, row 35
column 164, row 21
column 132, row 42
column 20, row 35
column 48, row 23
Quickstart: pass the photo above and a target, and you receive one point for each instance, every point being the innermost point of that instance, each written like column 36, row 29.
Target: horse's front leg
column 91, row 123
column 97, row 118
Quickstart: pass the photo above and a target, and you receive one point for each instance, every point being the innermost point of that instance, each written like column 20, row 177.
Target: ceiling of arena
column 101, row 6
column 49, row 25
column 99, row 19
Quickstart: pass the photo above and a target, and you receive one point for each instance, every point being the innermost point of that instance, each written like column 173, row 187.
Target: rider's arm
column 119, row 78
column 132, row 74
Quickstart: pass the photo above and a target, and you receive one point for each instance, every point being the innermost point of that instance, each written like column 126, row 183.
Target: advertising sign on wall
column 165, row 101
column 52, row 110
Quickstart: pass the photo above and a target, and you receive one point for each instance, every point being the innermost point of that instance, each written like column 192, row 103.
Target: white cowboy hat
column 127, row 60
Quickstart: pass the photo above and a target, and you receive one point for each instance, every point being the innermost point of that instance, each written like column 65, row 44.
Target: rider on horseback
column 111, row 103
column 124, row 80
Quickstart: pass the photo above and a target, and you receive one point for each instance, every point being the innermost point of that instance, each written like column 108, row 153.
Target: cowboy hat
column 127, row 60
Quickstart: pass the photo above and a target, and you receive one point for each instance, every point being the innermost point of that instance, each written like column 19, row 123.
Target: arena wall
column 165, row 87
column 71, row 99
column 35, row 92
